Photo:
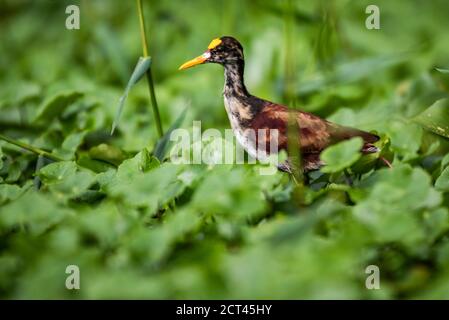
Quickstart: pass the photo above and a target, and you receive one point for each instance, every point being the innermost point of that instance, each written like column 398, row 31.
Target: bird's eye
column 219, row 49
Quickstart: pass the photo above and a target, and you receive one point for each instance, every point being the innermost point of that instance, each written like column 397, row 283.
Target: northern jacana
column 249, row 113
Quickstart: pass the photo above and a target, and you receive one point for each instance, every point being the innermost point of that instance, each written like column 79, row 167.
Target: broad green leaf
column 9, row 192
column 79, row 106
column 147, row 161
column 151, row 190
column 141, row 68
column 56, row 105
column 436, row 118
column 16, row 168
column 162, row 146
column 436, row 222
column 35, row 211
column 352, row 71
column 107, row 153
column 442, row 182
column 106, row 224
column 66, row 179
column 74, row 185
column 394, row 199
column 405, row 137
column 70, row 145
column 445, row 161
column 20, row 92
column 296, row 226
column 231, row 193
column 58, row 171
column 94, row 165
column 155, row 244
column 133, row 167
column 341, row 155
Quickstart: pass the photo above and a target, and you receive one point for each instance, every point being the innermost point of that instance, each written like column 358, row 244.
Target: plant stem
column 35, row 150
column 289, row 58
column 143, row 37
column 293, row 129
column 39, row 164
column 154, row 104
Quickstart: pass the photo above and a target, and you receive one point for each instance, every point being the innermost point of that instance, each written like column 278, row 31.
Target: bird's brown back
column 315, row 134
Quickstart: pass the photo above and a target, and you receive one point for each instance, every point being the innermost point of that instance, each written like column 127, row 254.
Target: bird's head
column 224, row 50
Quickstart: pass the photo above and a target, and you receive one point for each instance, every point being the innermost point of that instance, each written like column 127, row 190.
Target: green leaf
column 442, row 70
column 141, row 68
column 57, row 172
column 445, row 161
column 70, row 145
column 394, row 199
column 151, row 190
column 16, row 168
column 94, row 165
column 162, row 147
column 36, row 211
column 232, row 193
column 405, row 137
column 66, row 179
column 437, row 222
column 56, row 105
column 436, row 118
column 1, row 158
column 79, row 107
column 148, row 162
column 442, row 182
column 341, row 155
column 9, row 192
column 107, row 153
column 352, row 71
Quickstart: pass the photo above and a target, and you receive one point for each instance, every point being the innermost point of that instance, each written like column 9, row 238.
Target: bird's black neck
column 234, row 85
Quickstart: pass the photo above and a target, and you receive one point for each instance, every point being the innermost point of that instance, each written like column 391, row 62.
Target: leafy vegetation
column 139, row 226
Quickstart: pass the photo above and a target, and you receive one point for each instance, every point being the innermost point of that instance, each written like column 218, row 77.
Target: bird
column 248, row 114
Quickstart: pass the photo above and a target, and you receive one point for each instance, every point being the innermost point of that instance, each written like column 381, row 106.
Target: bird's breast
column 240, row 116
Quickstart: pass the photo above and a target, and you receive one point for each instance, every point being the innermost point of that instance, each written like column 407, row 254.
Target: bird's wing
column 339, row 133
column 315, row 133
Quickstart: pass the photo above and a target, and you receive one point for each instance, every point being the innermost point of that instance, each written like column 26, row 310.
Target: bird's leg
column 348, row 178
column 306, row 178
column 294, row 179
column 386, row 162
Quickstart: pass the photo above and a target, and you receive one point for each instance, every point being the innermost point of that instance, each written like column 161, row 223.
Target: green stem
column 289, row 64
column 156, row 115
column 39, row 164
column 149, row 74
column 293, row 129
column 143, row 36
column 31, row 148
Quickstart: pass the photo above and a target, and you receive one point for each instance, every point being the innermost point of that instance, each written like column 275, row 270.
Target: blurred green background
column 141, row 229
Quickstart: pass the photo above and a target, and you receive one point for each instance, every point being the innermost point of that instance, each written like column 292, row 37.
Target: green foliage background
column 139, row 228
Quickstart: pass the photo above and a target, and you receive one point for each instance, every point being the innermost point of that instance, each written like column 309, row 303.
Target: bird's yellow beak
column 202, row 58
column 196, row 61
